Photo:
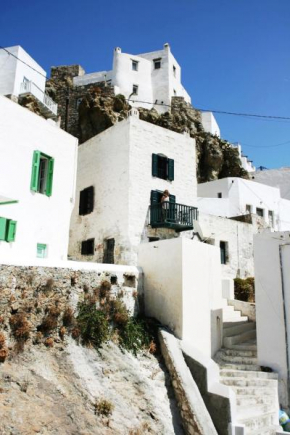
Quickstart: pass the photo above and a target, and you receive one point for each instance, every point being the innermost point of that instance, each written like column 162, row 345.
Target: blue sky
column 234, row 54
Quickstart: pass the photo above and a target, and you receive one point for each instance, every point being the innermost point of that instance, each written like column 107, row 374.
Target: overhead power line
column 222, row 112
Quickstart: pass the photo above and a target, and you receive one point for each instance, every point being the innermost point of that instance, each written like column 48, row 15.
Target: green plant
column 134, row 335
column 245, row 289
column 92, row 324
column 103, row 407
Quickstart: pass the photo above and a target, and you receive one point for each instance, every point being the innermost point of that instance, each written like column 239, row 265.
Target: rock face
column 90, row 109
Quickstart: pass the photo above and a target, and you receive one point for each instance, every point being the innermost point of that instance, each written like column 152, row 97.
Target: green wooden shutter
column 11, row 231
column 170, row 169
column 172, row 198
column 35, row 171
column 3, row 223
column 155, row 197
column 154, row 165
column 49, row 177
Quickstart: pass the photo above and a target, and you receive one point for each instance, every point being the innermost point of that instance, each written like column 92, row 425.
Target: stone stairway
column 256, row 391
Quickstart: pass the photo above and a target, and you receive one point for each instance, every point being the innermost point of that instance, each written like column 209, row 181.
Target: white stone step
column 240, row 338
column 242, row 346
column 246, row 400
column 259, row 421
column 244, row 367
column 237, row 359
column 247, row 374
column 244, row 412
column 233, row 352
column 239, row 329
column 249, row 382
column 254, row 391
column 230, row 324
column 230, row 318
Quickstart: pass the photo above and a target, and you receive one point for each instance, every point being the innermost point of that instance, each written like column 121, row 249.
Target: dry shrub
column 152, row 347
column 76, row 333
column 50, row 321
column 62, row 332
column 3, row 348
column 68, row 317
column 120, row 314
column 49, row 342
column 38, row 337
column 245, row 289
column 2, row 319
column 104, row 407
column 48, row 286
column 20, row 327
column 105, row 287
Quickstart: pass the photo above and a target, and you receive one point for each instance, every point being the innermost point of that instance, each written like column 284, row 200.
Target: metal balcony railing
column 179, row 217
column 29, row 87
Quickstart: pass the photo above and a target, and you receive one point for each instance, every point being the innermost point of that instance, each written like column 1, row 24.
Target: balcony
column 178, row 217
column 47, row 106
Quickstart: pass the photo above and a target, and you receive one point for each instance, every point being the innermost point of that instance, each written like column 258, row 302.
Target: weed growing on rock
column 104, row 407
column 120, row 314
column 68, row 317
column 48, row 286
column 105, row 287
column 3, row 348
column 93, row 325
column 50, row 321
column 20, row 327
column 245, row 289
column 141, row 430
column 134, row 335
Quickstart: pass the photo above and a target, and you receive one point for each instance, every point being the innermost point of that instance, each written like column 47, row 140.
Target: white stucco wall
column 209, row 123
column 238, row 235
column 242, row 193
column 118, row 163
column 270, row 265
column 12, row 71
column 279, row 178
column 40, row 219
column 153, row 84
column 182, row 284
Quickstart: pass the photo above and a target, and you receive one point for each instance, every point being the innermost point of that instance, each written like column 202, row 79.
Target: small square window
column 224, row 248
column 88, row 247
column 135, row 89
column 157, row 63
column 135, row 65
column 174, row 71
column 41, row 250
column 220, row 195
column 260, row 212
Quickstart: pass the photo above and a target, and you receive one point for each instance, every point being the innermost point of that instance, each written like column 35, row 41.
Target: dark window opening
column 135, row 65
column 109, row 251
column 114, row 279
column 153, row 239
column 135, row 89
column 220, row 195
column 260, row 212
column 174, row 71
column 157, row 63
column 86, row 205
column 224, row 252
column 88, row 247
column 162, row 167
column 248, row 209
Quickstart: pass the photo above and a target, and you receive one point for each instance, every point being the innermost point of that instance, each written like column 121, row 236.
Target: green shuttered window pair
column 42, row 173
column 7, row 229
column 162, row 167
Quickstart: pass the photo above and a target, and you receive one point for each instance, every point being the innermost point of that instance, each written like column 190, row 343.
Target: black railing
column 172, row 215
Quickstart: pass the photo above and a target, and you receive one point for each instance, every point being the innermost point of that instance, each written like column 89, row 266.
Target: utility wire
column 9, row 52
column 223, row 112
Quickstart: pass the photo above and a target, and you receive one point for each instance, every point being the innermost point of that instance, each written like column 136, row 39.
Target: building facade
column 37, row 177
column 121, row 172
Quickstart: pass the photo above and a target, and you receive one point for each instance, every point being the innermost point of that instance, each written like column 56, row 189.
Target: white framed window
column 135, row 89
column 157, row 63
column 135, row 65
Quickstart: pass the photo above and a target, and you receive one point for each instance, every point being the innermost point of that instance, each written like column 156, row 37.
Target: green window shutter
column 35, row 171
column 154, row 165
column 170, row 169
column 3, row 224
column 11, row 231
column 49, row 177
column 172, row 198
column 155, row 197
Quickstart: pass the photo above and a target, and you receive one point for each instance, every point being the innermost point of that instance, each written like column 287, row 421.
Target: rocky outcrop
column 31, row 103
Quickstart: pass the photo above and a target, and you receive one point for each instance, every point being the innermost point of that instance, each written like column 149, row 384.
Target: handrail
column 172, row 213
column 31, row 87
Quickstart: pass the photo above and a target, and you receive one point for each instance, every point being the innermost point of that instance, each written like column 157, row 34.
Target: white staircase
column 256, row 391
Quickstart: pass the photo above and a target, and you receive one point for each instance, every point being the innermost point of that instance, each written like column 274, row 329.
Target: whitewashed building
column 121, row 172
column 20, row 75
column 150, row 79
column 37, row 178
column 230, row 197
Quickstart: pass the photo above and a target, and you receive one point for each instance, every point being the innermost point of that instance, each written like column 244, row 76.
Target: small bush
column 120, row 314
column 50, row 321
column 62, row 332
column 245, row 289
column 105, row 287
column 134, row 336
column 48, row 286
column 68, row 317
column 3, row 348
column 104, row 407
column 49, row 342
column 92, row 324
column 20, row 327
